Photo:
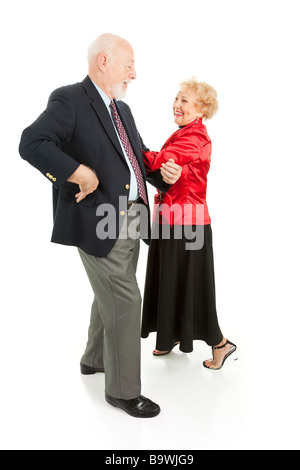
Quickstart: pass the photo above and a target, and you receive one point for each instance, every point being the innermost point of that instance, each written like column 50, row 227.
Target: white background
column 249, row 51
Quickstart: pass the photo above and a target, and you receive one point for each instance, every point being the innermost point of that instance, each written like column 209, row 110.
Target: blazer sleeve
column 42, row 142
column 183, row 150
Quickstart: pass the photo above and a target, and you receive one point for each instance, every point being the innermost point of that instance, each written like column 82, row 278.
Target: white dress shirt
column 133, row 192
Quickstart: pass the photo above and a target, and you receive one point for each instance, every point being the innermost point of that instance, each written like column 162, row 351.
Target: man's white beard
column 118, row 91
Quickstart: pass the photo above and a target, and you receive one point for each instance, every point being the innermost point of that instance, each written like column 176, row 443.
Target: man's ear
column 102, row 61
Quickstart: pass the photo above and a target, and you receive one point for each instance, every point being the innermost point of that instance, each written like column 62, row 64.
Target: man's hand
column 170, row 172
column 87, row 181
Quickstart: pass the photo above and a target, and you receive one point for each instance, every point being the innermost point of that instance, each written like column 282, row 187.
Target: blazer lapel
column 103, row 115
column 130, row 128
column 99, row 106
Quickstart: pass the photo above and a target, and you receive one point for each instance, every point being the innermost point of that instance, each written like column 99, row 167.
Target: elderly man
column 87, row 144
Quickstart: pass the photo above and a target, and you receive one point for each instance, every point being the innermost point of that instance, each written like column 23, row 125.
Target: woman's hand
column 170, row 172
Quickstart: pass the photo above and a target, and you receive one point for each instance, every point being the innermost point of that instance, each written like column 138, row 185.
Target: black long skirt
column 179, row 299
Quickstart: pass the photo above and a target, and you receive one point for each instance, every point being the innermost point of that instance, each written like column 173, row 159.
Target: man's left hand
column 170, row 171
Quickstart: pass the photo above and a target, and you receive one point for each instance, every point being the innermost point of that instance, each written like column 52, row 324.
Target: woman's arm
column 182, row 151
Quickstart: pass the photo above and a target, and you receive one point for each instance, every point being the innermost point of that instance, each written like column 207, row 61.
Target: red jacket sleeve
column 183, row 150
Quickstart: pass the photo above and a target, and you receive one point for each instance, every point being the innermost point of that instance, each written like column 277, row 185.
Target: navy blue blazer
column 76, row 128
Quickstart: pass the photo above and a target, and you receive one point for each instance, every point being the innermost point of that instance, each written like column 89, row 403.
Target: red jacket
column 185, row 202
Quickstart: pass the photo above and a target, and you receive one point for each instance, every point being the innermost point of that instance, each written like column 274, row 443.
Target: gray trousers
column 114, row 332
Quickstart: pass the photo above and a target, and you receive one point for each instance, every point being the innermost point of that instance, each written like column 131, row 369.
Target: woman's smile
column 184, row 109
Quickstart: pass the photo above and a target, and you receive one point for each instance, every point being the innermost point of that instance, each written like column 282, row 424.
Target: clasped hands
column 170, row 172
column 88, row 181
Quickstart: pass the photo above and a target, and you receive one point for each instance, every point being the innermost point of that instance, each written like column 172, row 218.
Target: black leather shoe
column 139, row 407
column 87, row 370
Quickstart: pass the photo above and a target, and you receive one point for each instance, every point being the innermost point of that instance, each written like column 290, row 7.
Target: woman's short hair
column 205, row 96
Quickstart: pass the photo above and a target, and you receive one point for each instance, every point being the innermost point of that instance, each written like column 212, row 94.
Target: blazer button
column 48, row 175
column 127, row 186
column 122, row 213
column 54, row 179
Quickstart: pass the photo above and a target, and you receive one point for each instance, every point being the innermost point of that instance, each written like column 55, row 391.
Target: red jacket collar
column 196, row 121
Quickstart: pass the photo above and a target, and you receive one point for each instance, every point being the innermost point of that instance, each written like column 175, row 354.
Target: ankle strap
column 221, row 347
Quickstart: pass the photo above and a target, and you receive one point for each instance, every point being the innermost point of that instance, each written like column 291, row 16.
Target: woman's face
column 184, row 108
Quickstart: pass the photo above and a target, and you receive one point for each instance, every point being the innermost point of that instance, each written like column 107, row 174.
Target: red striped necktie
column 127, row 146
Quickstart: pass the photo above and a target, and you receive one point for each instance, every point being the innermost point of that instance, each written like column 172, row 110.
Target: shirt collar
column 103, row 95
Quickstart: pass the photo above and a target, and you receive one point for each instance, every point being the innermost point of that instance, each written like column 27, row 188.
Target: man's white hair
column 103, row 44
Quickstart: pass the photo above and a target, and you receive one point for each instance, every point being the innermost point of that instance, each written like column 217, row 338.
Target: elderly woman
column 179, row 297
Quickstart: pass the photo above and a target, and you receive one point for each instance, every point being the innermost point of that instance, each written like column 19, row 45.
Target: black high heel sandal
column 164, row 353
column 231, row 351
